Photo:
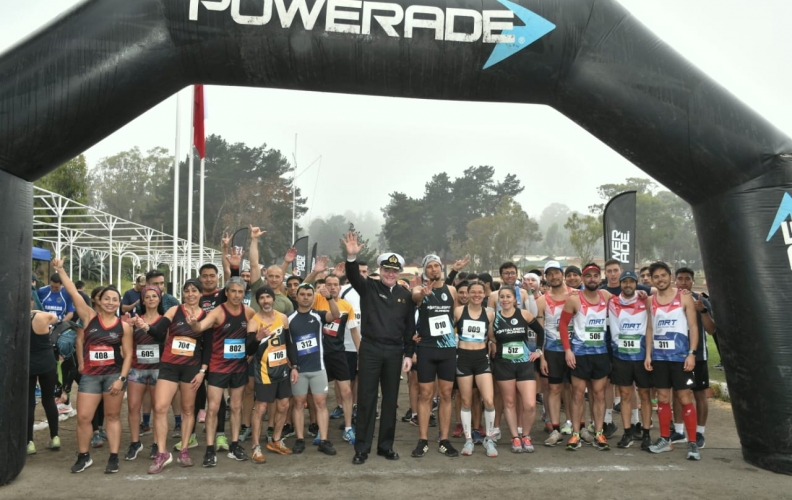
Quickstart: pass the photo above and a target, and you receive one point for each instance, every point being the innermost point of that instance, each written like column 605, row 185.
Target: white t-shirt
column 350, row 295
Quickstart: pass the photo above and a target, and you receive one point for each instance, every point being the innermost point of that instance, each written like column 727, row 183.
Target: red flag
column 199, row 137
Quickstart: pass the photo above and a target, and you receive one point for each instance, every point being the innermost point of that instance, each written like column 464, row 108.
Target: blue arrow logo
column 784, row 211
column 535, row 28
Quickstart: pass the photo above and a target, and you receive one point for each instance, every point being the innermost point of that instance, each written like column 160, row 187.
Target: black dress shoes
column 360, row 458
column 388, row 454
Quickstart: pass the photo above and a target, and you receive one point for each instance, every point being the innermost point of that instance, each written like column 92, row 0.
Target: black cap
column 572, row 269
column 485, row 278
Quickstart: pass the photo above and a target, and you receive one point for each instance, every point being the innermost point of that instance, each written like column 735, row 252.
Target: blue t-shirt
column 59, row 303
column 305, row 329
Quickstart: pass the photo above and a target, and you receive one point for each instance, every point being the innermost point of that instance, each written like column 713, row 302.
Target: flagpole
column 177, row 159
column 294, row 190
column 201, row 215
column 190, row 188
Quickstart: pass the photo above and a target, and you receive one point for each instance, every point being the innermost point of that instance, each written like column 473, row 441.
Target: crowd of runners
column 247, row 361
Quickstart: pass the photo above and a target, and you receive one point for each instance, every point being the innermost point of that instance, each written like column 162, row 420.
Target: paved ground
column 588, row 473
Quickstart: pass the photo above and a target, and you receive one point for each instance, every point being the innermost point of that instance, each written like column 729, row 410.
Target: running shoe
column 38, row 392
column 112, row 465
column 201, row 416
column 245, row 434
column 288, row 430
column 421, row 449
column 432, row 420
column 407, row 416
column 574, row 443
column 458, row 431
column 489, row 445
column 96, row 440
column 55, row 444
column 238, row 454
column 516, row 445
column 654, row 404
column 83, row 462
column 103, row 433
column 176, row 434
column 527, row 445
column 435, row 404
column 133, row 451
column 258, row 457
column 601, row 442
column 467, row 449
column 317, row 439
column 270, row 432
column 299, row 446
column 145, row 430
column 210, row 458
column 617, row 407
column 676, row 437
column 496, row 434
column 337, row 413
column 447, row 449
column 636, row 430
column 477, row 436
column 65, row 411
column 349, row 436
column 327, row 448
column 279, row 447
column 184, row 458
column 414, row 419
column 221, row 442
column 539, row 399
column 566, row 429
column 154, row 451
column 718, row 366
column 646, row 442
column 693, row 451
column 40, row 426
column 554, row 438
column 700, row 441
column 31, row 448
column 590, row 428
column 192, row 443
column 587, row 436
column 160, row 462
column 609, row 430
column 625, row 441
column 313, row 430
column 354, row 410
column 661, row 445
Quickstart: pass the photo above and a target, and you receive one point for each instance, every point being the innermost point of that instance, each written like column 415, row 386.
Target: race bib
column 664, row 345
column 439, row 325
column 277, row 358
column 183, row 346
column 629, row 346
column 101, row 355
column 306, row 344
column 234, row 348
column 594, row 338
column 474, row 331
column 331, row 329
column 147, row 354
column 513, row 350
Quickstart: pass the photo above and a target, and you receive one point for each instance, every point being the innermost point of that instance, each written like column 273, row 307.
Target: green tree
column 585, row 235
column 69, row 180
column 326, row 233
column 368, row 255
column 406, row 230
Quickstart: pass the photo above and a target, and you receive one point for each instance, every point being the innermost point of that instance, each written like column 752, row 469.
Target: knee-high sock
column 690, row 416
column 664, row 414
column 465, row 413
column 489, row 420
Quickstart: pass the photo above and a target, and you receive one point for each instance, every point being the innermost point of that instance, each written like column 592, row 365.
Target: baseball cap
column 628, row 275
column 553, row 264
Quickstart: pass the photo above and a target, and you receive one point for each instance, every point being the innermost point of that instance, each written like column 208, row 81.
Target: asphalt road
column 587, row 473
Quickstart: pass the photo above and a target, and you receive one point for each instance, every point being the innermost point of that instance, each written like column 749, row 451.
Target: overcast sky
column 743, row 45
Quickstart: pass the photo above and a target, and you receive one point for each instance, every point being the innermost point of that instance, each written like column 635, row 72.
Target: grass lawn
column 714, row 359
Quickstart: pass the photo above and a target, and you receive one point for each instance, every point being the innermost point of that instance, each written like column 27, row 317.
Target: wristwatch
column 122, row 379
column 693, row 352
column 538, row 351
column 202, row 370
column 296, row 367
column 704, row 311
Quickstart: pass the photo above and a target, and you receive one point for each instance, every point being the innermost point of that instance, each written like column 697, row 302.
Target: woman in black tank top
column 43, row 369
column 100, row 340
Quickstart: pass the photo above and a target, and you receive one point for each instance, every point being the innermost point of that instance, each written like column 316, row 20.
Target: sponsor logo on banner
column 782, row 222
column 620, row 246
column 359, row 17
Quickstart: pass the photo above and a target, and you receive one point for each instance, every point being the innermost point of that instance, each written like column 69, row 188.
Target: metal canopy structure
column 63, row 222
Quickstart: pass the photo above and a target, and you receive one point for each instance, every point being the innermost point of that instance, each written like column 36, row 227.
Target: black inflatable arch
column 107, row 61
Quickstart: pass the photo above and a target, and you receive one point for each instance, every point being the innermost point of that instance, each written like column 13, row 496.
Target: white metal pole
column 201, row 215
column 190, row 190
column 176, row 160
column 294, row 191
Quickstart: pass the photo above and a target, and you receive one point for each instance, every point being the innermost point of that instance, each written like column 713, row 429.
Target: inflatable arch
column 107, row 61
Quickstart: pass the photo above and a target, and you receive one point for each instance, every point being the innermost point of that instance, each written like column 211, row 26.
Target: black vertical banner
column 618, row 224
column 300, row 265
column 313, row 257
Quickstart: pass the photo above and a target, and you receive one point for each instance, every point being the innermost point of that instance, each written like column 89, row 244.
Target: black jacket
column 387, row 314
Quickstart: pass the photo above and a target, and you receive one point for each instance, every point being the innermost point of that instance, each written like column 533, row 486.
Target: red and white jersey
column 552, row 317
column 627, row 320
column 590, row 323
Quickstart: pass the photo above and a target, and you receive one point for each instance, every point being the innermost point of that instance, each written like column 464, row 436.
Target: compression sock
column 466, row 425
column 489, row 420
column 177, row 418
column 664, row 414
column 147, row 419
column 690, row 417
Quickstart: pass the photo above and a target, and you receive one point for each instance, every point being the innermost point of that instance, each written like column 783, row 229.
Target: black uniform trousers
column 379, row 365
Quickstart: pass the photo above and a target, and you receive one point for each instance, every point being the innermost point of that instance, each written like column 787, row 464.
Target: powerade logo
column 356, row 17
column 620, row 246
column 781, row 221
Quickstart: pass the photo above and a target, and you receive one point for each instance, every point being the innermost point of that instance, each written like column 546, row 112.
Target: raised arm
column 85, row 312
column 319, row 267
column 224, row 242
column 253, row 253
column 352, row 269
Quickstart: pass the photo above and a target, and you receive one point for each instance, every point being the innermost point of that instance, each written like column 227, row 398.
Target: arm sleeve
column 409, row 331
column 450, row 278
column 355, row 279
column 251, row 344
column 563, row 328
column 159, row 330
column 206, row 352
column 530, row 304
column 540, row 335
column 291, row 349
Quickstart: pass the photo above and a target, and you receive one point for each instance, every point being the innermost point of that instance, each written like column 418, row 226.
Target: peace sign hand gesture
column 461, row 263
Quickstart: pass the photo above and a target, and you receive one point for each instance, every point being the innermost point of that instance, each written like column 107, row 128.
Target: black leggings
column 200, row 404
column 47, row 383
column 69, row 375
